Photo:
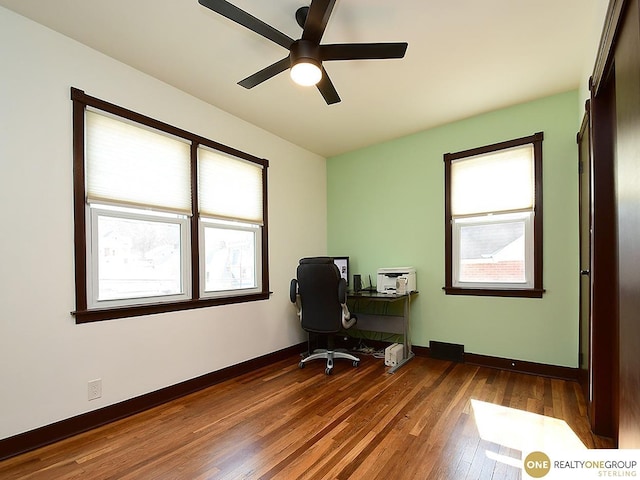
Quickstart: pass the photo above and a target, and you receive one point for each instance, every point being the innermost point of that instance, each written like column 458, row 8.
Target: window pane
column 493, row 252
column 138, row 258
column 229, row 259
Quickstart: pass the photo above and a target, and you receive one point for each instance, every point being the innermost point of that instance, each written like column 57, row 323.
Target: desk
column 375, row 322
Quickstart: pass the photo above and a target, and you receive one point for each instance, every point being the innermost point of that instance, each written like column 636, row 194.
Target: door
column 603, row 335
column 584, row 190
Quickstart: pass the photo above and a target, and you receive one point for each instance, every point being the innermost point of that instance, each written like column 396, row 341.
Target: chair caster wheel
column 356, row 363
column 301, row 365
column 328, row 371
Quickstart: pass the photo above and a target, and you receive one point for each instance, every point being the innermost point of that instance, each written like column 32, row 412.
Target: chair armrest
column 293, row 296
column 348, row 320
column 342, row 291
column 293, row 290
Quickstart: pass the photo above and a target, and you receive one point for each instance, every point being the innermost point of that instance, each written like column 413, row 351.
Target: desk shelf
column 372, row 310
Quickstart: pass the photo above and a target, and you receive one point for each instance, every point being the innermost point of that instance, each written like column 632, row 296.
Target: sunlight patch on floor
column 514, row 462
column 524, row 431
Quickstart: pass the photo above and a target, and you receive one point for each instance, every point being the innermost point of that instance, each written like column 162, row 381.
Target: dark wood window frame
column 537, row 290
column 82, row 313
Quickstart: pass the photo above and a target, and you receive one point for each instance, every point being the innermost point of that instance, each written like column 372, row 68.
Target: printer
column 388, row 279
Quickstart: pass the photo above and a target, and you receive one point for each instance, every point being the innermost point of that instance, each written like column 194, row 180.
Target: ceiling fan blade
column 317, row 19
column 362, row 51
column 327, row 89
column 247, row 20
column 266, row 73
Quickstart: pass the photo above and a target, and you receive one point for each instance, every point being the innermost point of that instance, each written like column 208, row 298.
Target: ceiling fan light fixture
column 306, row 73
column 306, row 55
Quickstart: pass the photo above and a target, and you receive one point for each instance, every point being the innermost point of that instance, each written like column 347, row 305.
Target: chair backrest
column 321, row 291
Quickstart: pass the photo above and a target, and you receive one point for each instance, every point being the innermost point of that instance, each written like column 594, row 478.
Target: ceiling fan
column 306, row 54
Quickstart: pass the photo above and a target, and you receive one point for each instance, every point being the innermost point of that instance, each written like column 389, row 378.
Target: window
column 229, row 223
column 493, row 214
column 165, row 220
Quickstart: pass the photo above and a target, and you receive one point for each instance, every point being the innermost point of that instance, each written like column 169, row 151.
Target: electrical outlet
column 95, row 389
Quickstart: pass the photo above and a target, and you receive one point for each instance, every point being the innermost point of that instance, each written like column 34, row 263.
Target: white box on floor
column 393, row 354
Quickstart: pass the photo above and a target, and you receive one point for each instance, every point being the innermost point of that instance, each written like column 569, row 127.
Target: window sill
column 492, row 292
column 97, row 315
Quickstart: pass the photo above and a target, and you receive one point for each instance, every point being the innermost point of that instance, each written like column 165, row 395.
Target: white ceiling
column 465, row 57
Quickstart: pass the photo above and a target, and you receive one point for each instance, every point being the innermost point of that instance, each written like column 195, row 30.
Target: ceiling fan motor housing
column 305, row 51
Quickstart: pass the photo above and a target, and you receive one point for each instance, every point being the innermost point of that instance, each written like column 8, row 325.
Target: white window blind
column 131, row 165
column 494, row 182
column 229, row 188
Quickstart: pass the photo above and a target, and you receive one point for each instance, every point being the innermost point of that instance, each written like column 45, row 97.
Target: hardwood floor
column 432, row 419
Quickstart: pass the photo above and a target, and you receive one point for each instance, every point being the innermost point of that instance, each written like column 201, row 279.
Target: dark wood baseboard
column 520, row 366
column 54, row 432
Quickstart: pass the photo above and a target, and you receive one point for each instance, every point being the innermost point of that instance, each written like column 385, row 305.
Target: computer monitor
column 343, row 265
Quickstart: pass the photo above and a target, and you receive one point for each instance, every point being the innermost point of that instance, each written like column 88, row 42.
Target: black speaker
column 357, row 283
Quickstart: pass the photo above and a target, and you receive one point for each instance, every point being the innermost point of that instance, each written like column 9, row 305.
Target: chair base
column 330, row 355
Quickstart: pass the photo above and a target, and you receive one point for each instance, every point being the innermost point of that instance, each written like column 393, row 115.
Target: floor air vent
column 446, row 351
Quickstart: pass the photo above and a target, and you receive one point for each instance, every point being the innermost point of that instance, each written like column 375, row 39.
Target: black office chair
column 320, row 295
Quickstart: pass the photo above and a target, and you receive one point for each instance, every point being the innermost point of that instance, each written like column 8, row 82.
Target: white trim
column 526, row 218
column 256, row 231
column 93, row 212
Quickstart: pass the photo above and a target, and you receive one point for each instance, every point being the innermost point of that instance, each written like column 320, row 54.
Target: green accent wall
column 386, row 209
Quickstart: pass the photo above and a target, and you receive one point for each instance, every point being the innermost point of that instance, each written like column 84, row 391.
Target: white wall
column 46, row 359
